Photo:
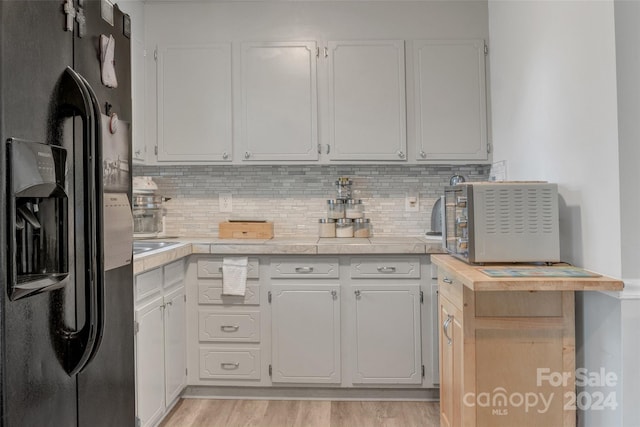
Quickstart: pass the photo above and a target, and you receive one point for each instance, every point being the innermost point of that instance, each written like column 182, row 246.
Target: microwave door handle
column 75, row 98
column 443, row 222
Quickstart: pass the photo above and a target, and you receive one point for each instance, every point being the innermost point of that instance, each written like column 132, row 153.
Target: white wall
column 566, row 107
column 627, row 14
column 553, row 95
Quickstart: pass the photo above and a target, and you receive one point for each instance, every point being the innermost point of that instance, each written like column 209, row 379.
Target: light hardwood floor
column 302, row 413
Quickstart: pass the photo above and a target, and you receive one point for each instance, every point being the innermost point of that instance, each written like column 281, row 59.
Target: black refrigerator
column 66, row 297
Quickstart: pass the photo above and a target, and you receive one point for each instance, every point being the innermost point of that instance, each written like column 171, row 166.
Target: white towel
column 234, row 275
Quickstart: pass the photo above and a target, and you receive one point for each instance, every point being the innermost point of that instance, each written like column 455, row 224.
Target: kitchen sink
column 140, row 247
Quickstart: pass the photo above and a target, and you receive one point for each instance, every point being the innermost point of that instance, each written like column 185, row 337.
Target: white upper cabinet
column 137, row 99
column 279, row 101
column 194, row 103
column 450, row 100
column 367, row 108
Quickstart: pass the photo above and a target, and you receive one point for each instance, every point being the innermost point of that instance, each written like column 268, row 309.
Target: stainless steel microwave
column 513, row 221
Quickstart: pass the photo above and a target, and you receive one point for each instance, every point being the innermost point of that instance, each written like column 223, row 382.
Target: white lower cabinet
column 386, row 348
column 230, row 363
column 305, row 334
column 224, row 331
column 312, row 320
column 150, row 362
column 175, row 344
column 160, row 341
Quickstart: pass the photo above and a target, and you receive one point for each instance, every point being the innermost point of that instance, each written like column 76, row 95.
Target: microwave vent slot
column 514, row 210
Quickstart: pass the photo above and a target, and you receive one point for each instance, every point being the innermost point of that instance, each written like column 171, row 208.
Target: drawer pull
column 229, row 328
column 305, row 270
column 229, row 366
column 447, row 280
column 387, row 269
column 445, row 328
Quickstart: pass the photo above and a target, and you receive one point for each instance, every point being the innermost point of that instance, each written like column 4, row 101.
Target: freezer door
column 34, row 386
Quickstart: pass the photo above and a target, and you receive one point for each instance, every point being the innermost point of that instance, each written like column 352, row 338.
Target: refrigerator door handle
column 97, row 236
column 77, row 97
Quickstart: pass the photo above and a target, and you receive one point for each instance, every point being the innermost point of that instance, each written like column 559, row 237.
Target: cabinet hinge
column 422, row 371
column 421, row 297
column 185, row 297
column 155, row 54
column 155, row 150
column 138, row 423
column 486, row 50
column 488, row 147
column 186, row 372
column 317, row 52
column 270, row 370
column 269, row 299
column 136, row 327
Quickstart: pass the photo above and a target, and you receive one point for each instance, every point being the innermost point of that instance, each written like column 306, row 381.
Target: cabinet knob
column 247, row 155
column 401, row 154
column 357, row 292
column 138, row 153
column 423, row 154
column 334, row 294
column 225, row 155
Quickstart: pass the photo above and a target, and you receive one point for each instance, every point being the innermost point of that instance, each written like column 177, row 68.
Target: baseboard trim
column 299, row 393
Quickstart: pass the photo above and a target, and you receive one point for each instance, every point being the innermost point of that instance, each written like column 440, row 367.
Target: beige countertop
column 473, row 278
column 284, row 245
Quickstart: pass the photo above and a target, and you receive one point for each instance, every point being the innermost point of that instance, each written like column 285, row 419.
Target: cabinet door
column 279, row 101
column 367, row 111
column 194, row 103
column 451, row 363
column 175, row 344
column 137, row 100
column 450, row 100
column 435, row 342
column 150, row 362
column 305, row 333
column 387, row 345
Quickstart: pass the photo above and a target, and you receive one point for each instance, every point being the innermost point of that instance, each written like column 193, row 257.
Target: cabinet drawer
column 210, row 292
column 148, row 283
column 450, row 288
column 173, row 273
column 229, row 326
column 304, row 268
column 368, row 268
column 231, row 363
column 212, row 268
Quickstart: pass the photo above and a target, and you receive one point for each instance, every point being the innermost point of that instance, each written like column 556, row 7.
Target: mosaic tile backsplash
column 295, row 197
